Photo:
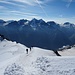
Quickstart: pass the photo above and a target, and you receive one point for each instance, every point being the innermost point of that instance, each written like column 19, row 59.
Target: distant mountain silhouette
column 38, row 33
column 1, row 22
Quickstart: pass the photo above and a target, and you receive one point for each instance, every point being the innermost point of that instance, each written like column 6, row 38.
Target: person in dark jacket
column 27, row 51
column 30, row 48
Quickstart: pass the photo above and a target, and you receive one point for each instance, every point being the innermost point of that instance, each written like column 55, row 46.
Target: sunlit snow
column 15, row 61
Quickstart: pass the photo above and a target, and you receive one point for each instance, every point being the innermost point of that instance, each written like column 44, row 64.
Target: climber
column 27, row 51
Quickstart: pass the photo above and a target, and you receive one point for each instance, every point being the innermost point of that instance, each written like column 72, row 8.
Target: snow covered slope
column 68, row 52
column 15, row 61
column 10, row 49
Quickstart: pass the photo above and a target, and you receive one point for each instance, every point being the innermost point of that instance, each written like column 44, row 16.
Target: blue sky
column 59, row 11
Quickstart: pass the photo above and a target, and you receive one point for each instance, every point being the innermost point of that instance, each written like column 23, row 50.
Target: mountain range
column 38, row 33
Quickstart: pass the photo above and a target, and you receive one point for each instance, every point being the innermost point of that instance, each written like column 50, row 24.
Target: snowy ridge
column 15, row 61
column 10, row 48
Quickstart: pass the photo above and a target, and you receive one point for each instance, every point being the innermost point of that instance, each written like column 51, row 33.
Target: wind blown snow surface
column 15, row 61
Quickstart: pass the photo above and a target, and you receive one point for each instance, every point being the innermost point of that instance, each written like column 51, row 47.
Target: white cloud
column 22, row 13
column 28, row 2
column 24, row 2
column 63, row 20
column 32, row 2
column 19, row 14
column 11, row 3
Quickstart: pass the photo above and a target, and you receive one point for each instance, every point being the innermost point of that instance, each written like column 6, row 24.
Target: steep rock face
column 39, row 33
